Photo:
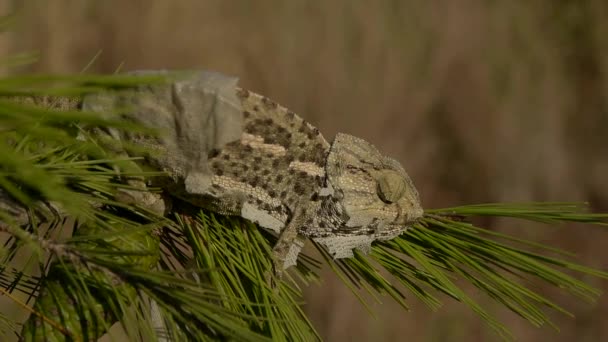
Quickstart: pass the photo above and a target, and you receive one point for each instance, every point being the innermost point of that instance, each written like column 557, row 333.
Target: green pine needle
column 210, row 275
column 440, row 248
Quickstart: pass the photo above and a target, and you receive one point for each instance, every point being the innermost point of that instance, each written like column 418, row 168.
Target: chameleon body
column 239, row 153
column 276, row 170
column 282, row 170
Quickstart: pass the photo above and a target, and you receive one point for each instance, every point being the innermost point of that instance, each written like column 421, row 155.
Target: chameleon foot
column 283, row 257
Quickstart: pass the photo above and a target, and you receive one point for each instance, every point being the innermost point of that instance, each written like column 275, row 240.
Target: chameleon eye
column 391, row 186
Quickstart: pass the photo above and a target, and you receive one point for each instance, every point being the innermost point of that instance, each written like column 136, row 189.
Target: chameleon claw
column 273, row 278
column 284, row 256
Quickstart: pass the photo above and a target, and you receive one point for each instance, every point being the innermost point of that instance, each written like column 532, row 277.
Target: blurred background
column 480, row 100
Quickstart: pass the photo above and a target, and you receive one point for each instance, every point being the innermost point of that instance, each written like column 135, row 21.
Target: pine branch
column 210, row 283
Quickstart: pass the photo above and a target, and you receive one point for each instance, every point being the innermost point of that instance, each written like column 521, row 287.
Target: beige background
column 481, row 101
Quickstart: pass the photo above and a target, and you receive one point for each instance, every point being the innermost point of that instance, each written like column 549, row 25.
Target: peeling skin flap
column 342, row 246
column 261, row 217
column 294, row 250
column 196, row 112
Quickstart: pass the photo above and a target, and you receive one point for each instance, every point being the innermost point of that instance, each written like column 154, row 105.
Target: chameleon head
column 373, row 197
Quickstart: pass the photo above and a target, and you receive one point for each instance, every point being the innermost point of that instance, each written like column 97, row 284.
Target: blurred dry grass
column 480, row 100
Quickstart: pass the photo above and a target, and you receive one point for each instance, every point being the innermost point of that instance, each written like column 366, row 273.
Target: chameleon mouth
column 407, row 217
column 391, row 233
column 415, row 215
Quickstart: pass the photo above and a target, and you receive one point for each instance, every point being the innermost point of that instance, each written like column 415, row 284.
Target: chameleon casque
column 256, row 159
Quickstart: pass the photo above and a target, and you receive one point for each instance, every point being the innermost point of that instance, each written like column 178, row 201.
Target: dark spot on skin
column 283, row 194
column 319, row 159
column 289, row 159
column 319, row 180
column 216, row 165
column 302, row 157
column 308, row 222
column 213, row 153
column 298, row 189
column 242, row 93
column 301, row 129
column 269, row 140
column 215, row 186
column 257, row 159
column 258, row 201
column 321, row 224
column 246, row 114
column 233, row 164
column 268, row 122
column 272, row 194
column 245, row 167
column 226, row 157
column 253, row 127
column 269, row 103
column 256, row 167
column 302, row 174
column 247, row 148
column 302, row 145
column 278, row 178
column 266, row 172
column 269, row 155
column 275, row 163
column 319, row 154
column 256, row 108
column 314, row 197
column 289, row 135
column 219, row 172
column 315, row 131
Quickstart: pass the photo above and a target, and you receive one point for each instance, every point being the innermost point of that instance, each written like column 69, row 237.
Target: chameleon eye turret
column 391, row 186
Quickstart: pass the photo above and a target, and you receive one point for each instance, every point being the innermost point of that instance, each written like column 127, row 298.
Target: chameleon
column 259, row 160
column 236, row 152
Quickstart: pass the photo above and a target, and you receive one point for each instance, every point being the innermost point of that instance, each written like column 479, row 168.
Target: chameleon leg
column 288, row 245
column 156, row 204
column 151, row 201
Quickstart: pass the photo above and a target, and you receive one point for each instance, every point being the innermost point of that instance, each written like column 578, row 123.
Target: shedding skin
column 273, row 168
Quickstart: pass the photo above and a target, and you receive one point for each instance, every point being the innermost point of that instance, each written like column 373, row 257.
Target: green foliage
column 53, row 180
column 100, row 261
column 233, row 256
column 441, row 248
